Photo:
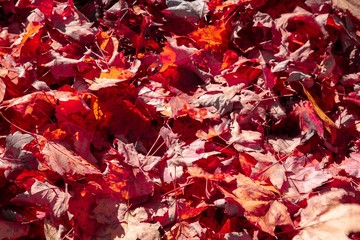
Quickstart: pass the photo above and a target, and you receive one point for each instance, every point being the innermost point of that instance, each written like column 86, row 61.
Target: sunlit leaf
column 333, row 220
column 328, row 122
column 213, row 37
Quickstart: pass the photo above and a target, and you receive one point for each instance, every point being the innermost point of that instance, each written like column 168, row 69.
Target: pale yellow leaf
column 326, row 217
column 353, row 6
column 328, row 122
column 336, row 224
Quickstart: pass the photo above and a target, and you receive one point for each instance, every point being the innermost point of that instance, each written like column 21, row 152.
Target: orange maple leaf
column 168, row 57
column 211, row 37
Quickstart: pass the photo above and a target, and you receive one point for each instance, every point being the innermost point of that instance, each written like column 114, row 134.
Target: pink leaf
column 46, row 195
column 352, row 165
column 305, row 177
column 59, row 159
column 15, row 159
column 2, row 90
column 309, row 121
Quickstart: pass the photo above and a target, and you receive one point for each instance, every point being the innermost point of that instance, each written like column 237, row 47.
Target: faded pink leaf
column 326, row 217
column 305, row 177
column 351, row 165
column 2, row 90
column 59, row 159
column 46, row 195
column 309, row 121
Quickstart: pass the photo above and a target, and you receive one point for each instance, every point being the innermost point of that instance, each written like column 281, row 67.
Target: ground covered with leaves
column 156, row 119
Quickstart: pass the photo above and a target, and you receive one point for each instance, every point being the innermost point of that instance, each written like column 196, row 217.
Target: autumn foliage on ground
column 156, row 119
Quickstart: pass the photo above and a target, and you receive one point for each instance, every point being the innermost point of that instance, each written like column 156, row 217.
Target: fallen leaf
column 278, row 215
column 334, row 220
column 13, row 230
column 46, row 195
column 351, row 165
column 303, row 177
column 212, row 38
column 352, row 6
column 2, row 90
column 191, row 11
column 254, row 199
column 184, row 230
column 15, row 158
column 138, row 226
column 59, row 159
column 309, row 120
column 179, row 119
column 328, row 122
column 128, row 184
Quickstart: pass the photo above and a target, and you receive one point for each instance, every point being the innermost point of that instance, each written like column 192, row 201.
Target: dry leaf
column 328, row 122
column 353, row 6
column 336, row 223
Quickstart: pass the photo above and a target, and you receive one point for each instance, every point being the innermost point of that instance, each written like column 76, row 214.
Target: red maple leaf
column 173, row 119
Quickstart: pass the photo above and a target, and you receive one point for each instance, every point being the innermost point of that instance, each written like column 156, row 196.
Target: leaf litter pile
column 156, row 119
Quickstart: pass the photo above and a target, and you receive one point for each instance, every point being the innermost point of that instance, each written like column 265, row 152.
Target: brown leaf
column 138, row 226
column 337, row 224
column 2, row 90
column 200, row 173
column 185, row 230
column 278, row 215
column 268, row 168
column 326, row 217
column 353, row 6
column 255, row 199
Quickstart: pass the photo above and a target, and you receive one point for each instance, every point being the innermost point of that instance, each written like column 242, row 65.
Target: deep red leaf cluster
column 172, row 119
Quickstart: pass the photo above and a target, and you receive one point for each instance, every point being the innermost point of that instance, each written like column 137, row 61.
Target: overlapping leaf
column 173, row 119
